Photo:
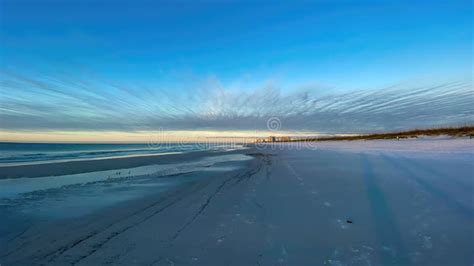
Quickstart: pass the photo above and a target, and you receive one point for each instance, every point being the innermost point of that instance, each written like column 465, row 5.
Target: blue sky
column 180, row 47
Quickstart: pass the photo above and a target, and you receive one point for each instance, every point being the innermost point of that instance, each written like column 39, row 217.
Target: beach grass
column 463, row 131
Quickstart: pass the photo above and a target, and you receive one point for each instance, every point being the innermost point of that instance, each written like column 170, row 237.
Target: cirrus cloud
column 66, row 103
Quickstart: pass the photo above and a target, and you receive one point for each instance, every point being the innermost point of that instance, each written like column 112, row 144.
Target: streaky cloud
column 47, row 102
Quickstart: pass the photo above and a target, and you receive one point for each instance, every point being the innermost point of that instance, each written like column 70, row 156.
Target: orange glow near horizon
column 140, row 136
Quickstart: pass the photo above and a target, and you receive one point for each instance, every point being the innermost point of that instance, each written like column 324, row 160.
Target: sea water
column 18, row 153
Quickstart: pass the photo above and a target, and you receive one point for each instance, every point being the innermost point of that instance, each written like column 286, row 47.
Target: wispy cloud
column 66, row 103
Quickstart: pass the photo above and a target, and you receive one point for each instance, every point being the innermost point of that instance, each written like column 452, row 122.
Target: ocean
column 19, row 153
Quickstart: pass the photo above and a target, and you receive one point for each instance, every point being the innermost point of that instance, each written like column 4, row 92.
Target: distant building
column 273, row 139
column 283, row 139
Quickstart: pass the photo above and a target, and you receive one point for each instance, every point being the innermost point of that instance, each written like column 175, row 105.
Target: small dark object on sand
column 349, row 221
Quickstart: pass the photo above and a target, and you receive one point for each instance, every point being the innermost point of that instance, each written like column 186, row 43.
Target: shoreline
column 86, row 159
column 414, row 146
column 55, row 168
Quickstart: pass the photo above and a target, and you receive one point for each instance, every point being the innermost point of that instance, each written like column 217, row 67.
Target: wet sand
column 101, row 164
column 289, row 205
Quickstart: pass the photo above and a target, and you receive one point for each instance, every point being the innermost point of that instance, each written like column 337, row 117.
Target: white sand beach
column 335, row 203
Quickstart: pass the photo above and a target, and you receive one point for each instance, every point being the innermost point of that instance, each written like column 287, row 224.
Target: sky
column 121, row 68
